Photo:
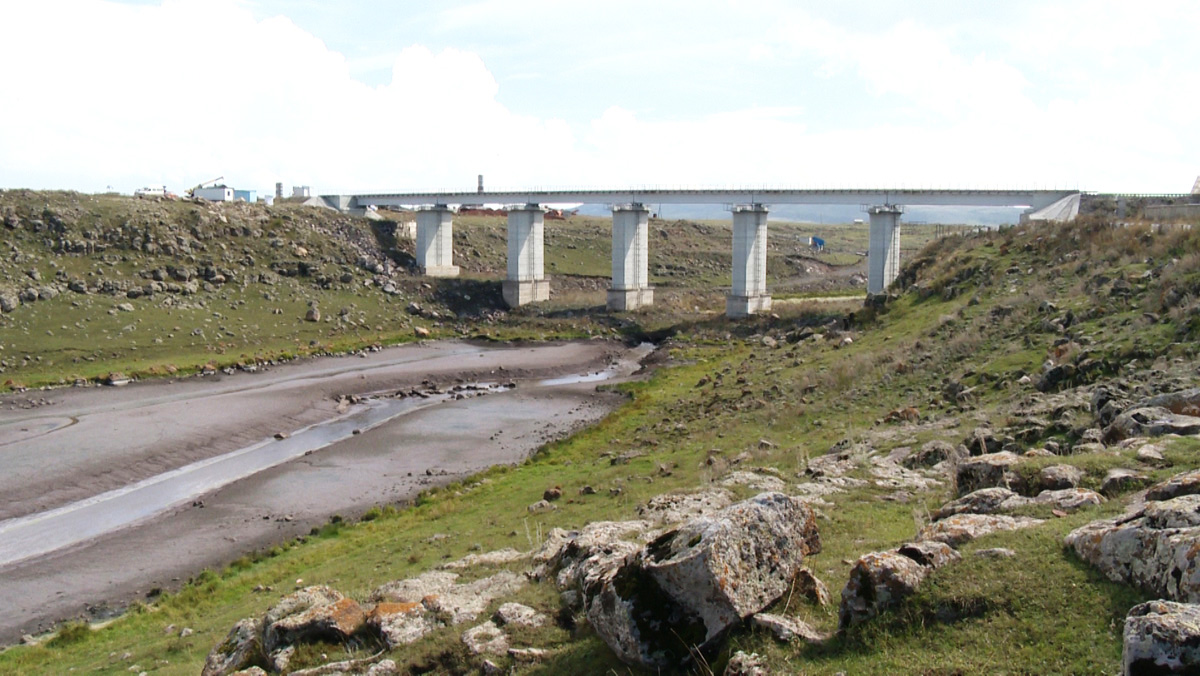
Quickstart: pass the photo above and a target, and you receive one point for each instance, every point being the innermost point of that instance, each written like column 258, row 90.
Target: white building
column 217, row 193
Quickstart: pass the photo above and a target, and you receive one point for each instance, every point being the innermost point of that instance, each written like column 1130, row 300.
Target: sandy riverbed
column 95, row 440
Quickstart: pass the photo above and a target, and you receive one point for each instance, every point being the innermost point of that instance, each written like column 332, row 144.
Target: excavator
column 191, row 192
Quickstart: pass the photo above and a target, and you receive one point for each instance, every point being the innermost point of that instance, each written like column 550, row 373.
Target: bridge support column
column 435, row 242
column 748, row 294
column 883, row 253
column 630, row 259
column 526, row 281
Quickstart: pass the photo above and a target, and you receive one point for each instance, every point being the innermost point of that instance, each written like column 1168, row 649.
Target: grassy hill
column 975, row 325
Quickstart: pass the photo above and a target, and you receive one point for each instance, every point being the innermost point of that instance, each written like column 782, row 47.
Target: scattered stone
column 542, row 506
column 1120, row 480
column 421, row 332
column 486, row 638
column 995, row 553
column 962, row 528
column 807, row 584
column 787, row 629
column 1162, row 637
column 754, row 481
column 746, row 664
column 1149, row 453
column 552, row 494
column 312, row 315
column 679, row 507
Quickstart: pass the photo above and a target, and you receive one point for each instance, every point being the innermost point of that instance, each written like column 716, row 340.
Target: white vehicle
column 156, row 191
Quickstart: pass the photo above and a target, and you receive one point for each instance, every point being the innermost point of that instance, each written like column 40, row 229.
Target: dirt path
column 90, row 441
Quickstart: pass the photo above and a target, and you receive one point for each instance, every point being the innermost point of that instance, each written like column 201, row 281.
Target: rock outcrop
column 1153, row 548
column 987, row 471
column 1150, row 421
column 961, row 528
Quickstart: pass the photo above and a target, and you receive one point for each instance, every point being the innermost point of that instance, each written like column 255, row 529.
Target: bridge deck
column 1035, row 199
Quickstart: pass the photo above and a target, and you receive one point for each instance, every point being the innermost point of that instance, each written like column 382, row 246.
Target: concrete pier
column 630, row 259
column 883, row 254
column 748, row 294
column 435, row 242
column 526, row 281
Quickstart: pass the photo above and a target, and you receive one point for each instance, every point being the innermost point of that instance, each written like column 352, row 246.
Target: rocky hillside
column 991, row 470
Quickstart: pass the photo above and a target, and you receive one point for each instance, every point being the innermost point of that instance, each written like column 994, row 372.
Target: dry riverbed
column 108, row 493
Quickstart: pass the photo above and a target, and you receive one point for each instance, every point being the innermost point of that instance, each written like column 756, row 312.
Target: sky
column 373, row 95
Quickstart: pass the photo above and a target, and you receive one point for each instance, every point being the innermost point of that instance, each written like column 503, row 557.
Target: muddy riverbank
column 92, row 444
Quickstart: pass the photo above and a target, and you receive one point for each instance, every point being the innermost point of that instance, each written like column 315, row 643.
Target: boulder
column 311, row 613
column 1058, row 477
column 241, row 648
column 408, row 609
column 690, row 585
column 1161, row 637
column 880, row 580
column 401, row 623
column 987, row 471
column 962, row 528
column 1184, row 402
column 1187, row 483
column 934, row 452
column 1152, row 549
column 1069, row 499
column 1120, row 480
column 754, row 481
column 982, row 441
column 578, row 558
column 9, row 301
column 1150, row 421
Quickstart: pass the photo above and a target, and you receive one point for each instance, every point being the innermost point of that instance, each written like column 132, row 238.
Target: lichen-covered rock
column 407, row 610
column 486, row 638
column 807, row 584
column 689, row 585
column 961, row 528
column 1120, row 480
column 579, row 558
column 1069, row 499
column 934, row 452
column 312, row 612
column 496, row 558
column 401, row 623
column 987, row 471
column 1154, row 549
column 788, row 629
column 1058, row 477
column 1150, row 421
column 519, row 615
column 880, row 580
column 241, row 648
column 756, row 481
column 680, row 507
column 1181, row 484
column 746, row 664
column 982, row 501
column 1162, row 637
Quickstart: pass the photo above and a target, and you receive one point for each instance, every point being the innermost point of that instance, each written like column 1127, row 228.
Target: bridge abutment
column 630, row 259
column 526, row 279
column 435, row 242
column 883, row 253
column 748, row 294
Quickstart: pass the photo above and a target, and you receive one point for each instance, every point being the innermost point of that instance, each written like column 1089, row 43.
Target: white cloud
column 98, row 92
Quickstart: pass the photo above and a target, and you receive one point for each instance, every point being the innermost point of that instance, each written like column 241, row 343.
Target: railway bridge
column 526, row 281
